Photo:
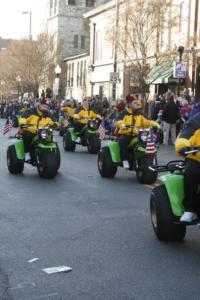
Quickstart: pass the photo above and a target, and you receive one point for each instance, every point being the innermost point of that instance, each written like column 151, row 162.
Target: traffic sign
column 180, row 69
column 114, row 77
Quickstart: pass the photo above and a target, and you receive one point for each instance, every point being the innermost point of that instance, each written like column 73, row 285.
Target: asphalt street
column 101, row 228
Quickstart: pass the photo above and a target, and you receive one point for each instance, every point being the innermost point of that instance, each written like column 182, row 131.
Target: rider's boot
column 188, row 217
column 126, row 164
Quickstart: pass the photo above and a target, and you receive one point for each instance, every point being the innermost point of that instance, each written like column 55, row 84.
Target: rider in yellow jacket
column 128, row 124
column 190, row 137
column 36, row 117
column 68, row 108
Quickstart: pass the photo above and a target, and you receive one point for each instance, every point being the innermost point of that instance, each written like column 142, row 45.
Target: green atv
column 109, row 158
column 88, row 136
column 166, row 202
column 45, row 154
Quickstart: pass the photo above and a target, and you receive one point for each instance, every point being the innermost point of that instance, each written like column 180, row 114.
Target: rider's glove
column 123, row 126
column 183, row 150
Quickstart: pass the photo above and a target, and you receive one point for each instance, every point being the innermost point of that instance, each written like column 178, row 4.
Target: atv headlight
column 43, row 135
column 143, row 136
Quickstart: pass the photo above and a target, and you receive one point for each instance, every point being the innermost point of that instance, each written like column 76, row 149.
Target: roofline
column 100, row 9
column 76, row 56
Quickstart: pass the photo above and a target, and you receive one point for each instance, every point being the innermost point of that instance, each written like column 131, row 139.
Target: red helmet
column 130, row 98
column 120, row 106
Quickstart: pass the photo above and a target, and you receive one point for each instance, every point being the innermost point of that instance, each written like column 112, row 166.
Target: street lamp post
column 56, row 83
column 18, row 79
column 180, row 51
column 30, row 22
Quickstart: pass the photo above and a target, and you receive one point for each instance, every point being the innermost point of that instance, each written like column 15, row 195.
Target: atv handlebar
column 53, row 126
column 192, row 150
column 171, row 166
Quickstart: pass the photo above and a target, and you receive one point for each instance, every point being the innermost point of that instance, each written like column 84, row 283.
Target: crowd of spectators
column 169, row 110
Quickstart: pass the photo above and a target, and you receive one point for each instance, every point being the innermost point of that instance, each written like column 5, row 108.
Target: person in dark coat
column 170, row 116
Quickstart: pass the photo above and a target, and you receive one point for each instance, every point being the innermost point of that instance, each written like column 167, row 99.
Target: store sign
column 180, row 69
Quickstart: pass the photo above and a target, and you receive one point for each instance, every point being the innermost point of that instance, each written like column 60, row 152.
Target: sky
column 15, row 25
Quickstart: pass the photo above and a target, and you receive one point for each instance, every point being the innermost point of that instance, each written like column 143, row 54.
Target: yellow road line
column 151, row 186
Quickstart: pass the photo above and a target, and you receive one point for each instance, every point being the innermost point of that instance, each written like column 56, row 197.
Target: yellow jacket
column 190, row 137
column 83, row 114
column 68, row 110
column 136, row 119
column 35, row 117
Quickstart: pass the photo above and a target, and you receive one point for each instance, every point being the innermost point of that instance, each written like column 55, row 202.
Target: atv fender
column 48, row 146
column 72, row 133
column 115, row 152
column 175, row 189
column 19, row 147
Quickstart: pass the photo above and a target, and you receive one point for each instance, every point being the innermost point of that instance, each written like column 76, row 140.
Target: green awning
column 160, row 74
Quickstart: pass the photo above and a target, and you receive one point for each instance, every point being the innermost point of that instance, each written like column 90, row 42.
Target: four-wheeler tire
column 105, row 165
column 15, row 166
column 68, row 144
column 94, row 145
column 57, row 151
column 162, row 218
column 62, row 130
column 143, row 173
column 48, row 165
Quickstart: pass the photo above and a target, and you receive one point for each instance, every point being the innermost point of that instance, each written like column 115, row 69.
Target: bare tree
column 33, row 61
column 140, row 29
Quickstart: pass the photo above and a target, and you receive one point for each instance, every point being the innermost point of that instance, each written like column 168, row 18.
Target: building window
column 84, row 74
column 76, row 41
column 71, row 2
column 77, row 78
column 72, row 75
column 89, row 3
column 83, row 38
column 81, row 74
column 50, row 8
column 98, row 45
column 55, row 6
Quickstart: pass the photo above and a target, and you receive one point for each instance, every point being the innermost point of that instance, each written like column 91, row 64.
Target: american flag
column 8, row 126
column 102, row 131
column 150, row 145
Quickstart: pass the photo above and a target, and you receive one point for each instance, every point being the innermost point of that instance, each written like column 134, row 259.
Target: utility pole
column 115, row 49
column 194, row 43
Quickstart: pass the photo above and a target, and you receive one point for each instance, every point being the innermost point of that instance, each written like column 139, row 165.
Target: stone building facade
column 65, row 20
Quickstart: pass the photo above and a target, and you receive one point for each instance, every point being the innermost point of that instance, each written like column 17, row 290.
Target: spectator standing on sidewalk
column 170, row 116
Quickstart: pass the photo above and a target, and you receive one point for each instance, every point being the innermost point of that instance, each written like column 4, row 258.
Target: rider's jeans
column 124, row 140
column 191, row 182
column 27, row 138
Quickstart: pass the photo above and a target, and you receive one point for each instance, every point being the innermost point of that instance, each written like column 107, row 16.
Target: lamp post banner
column 180, row 69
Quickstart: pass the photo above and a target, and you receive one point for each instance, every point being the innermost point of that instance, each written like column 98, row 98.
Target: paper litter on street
column 33, row 260
column 57, row 269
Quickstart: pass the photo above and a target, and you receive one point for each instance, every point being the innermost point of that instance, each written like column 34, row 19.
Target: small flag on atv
column 8, row 126
column 150, row 145
column 101, row 131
